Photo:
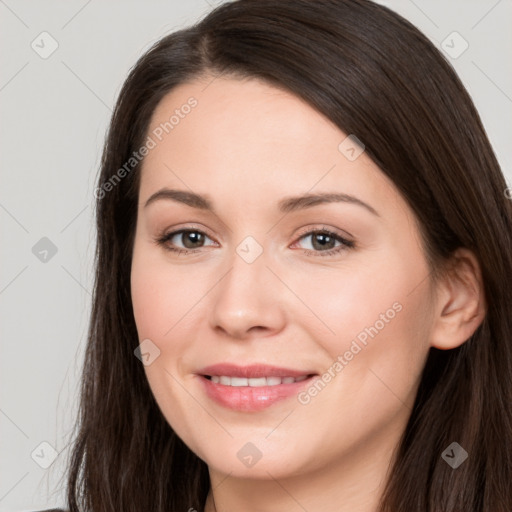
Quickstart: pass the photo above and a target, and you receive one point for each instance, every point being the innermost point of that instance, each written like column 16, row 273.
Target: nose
column 248, row 301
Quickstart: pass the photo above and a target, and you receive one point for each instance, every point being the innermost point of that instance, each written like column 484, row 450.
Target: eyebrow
column 286, row 205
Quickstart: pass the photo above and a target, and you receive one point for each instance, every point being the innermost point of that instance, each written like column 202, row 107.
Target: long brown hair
column 372, row 74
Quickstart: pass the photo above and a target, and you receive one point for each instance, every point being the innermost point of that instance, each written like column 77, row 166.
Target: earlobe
column 461, row 305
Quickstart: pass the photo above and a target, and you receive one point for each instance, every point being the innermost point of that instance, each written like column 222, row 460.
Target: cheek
column 377, row 313
column 163, row 311
column 147, row 300
column 160, row 294
column 374, row 360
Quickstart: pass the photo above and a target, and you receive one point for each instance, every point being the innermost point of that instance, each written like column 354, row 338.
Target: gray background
column 54, row 114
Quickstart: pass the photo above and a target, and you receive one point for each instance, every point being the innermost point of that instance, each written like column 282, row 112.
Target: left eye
column 325, row 241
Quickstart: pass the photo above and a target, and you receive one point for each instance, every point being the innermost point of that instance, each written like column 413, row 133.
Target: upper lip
column 251, row 371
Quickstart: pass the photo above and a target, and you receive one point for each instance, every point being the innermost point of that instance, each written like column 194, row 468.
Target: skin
column 247, row 145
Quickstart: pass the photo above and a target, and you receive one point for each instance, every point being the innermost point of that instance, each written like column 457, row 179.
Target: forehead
column 251, row 112
column 253, row 139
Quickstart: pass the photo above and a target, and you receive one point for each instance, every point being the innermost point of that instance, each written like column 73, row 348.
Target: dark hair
column 372, row 74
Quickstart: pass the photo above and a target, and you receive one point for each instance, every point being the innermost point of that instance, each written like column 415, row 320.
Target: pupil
column 324, row 240
column 196, row 238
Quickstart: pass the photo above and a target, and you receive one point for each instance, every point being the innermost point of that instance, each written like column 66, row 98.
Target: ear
column 461, row 305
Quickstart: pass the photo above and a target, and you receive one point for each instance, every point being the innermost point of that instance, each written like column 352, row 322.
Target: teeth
column 273, row 381
column 255, row 382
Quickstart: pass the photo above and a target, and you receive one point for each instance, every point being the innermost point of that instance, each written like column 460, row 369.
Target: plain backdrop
column 62, row 65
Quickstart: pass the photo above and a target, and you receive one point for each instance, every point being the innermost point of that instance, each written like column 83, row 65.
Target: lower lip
column 249, row 399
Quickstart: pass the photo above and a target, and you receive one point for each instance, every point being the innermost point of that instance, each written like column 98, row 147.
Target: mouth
column 252, row 388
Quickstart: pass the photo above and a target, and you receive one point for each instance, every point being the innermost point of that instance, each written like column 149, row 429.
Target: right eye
column 191, row 239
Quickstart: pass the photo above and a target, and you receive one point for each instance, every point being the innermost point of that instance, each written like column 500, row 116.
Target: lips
column 254, row 387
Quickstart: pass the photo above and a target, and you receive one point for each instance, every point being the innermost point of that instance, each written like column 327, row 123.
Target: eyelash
column 163, row 238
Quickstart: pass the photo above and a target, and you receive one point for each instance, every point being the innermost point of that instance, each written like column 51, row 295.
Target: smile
column 251, row 388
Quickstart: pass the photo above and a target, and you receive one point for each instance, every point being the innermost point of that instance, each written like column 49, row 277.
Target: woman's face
column 317, row 311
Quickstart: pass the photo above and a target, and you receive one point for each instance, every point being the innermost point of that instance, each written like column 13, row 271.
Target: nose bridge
column 247, row 295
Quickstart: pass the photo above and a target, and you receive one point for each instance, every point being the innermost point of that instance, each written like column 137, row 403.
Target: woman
column 228, row 366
